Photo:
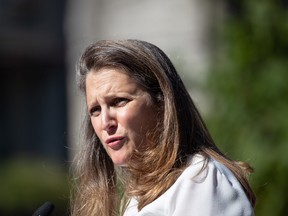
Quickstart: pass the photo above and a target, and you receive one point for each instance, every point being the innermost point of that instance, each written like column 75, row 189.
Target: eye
column 95, row 111
column 119, row 102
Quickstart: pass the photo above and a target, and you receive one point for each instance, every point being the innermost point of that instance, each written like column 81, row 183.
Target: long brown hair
column 181, row 132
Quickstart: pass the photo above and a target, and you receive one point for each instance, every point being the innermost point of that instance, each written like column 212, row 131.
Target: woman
column 144, row 135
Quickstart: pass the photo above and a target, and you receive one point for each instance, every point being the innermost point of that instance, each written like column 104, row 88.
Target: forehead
column 108, row 81
column 107, row 75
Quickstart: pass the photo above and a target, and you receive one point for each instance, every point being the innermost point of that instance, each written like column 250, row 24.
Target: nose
column 108, row 119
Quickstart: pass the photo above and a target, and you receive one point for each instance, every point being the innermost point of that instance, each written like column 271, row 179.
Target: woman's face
column 122, row 113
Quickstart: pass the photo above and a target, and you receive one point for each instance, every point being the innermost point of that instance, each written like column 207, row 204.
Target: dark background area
column 33, row 116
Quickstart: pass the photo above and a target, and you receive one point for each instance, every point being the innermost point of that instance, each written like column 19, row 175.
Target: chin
column 120, row 161
column 121, row 164
column 120, row 158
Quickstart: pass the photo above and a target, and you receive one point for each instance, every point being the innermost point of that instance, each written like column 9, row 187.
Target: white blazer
column 213, row 192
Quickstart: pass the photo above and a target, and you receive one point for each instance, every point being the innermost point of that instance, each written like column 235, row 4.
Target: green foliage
column 248, row 84
column 27, row 183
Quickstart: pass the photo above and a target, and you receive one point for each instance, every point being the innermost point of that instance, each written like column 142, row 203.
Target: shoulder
column 206, row 187
column 211, row 189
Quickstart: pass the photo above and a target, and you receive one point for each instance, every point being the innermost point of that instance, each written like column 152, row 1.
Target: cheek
column 126, row 119
column 138, row 120
column 96, row 127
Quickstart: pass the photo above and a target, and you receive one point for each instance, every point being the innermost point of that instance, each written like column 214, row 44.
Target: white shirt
column 215, row 191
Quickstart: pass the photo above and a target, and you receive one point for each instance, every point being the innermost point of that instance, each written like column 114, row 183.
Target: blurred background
column 231, row 54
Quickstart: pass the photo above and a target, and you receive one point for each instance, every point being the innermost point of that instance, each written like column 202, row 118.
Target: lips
column 115, row 143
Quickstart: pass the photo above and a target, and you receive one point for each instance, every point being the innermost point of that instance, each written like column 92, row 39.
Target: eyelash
column 93, row 110
column 117, row 102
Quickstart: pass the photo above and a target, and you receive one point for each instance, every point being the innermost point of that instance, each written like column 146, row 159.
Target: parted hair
column 180, row 133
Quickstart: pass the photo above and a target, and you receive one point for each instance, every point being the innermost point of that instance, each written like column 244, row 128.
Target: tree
column 249, row 111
